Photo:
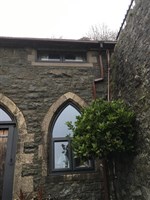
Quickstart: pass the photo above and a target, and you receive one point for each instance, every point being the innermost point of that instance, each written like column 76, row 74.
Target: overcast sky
column 69, row 19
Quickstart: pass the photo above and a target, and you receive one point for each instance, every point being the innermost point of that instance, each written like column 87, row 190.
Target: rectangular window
column 53, row 56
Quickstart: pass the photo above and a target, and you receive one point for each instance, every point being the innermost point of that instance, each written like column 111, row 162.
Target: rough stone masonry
column 131, row 82
column 33, row 91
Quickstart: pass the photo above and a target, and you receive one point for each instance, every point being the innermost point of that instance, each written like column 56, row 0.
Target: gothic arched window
column 62, row 158
column 7, row 154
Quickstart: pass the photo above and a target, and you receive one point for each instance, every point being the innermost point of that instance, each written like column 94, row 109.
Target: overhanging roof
column 12, row 42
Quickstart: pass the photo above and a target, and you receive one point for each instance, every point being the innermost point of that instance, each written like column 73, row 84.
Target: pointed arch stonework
column 21, row 158
column 48, row 119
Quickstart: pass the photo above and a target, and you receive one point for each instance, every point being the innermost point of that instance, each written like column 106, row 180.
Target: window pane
column 60, row 128
column 74, row 58
column 83, row 164
column 61, row 155
column 54, row 57
column 4, row 116
column 48, row 56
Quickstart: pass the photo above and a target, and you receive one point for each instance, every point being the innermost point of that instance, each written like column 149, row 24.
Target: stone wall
column 131, row 82
column 28, row 90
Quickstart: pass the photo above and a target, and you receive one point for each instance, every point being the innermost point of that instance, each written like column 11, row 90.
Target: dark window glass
column 47, row 56
column 79, row 164
column 74, row 58
column 54, row 57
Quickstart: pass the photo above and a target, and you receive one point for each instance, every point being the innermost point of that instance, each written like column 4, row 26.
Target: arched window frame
column 44, row 149
column 73, row 165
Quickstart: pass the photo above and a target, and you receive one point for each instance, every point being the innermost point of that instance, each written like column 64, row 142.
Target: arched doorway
column 8, row 137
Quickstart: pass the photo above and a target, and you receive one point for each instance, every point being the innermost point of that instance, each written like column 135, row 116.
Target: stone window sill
column 54, row 64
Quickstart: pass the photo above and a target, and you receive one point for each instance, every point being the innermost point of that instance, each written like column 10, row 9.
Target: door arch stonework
column 19, row 182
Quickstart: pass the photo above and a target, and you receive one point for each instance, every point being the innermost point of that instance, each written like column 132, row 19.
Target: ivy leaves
column 103, row 128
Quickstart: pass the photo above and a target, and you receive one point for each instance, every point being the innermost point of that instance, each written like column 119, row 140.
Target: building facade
column 43, row 84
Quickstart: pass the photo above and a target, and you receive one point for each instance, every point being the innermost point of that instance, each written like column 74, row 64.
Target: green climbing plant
column 103, row 129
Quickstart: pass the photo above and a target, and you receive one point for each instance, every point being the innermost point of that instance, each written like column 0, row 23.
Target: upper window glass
column 60, row 127
column 4, row 116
